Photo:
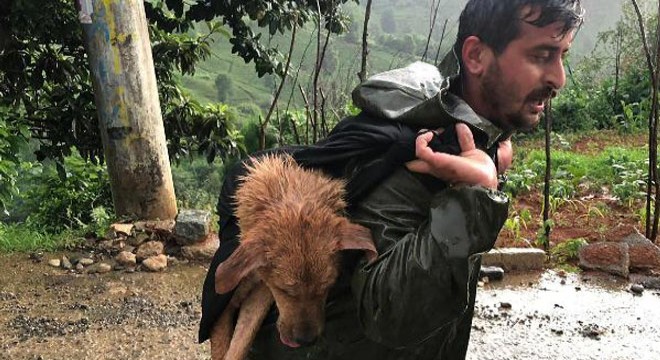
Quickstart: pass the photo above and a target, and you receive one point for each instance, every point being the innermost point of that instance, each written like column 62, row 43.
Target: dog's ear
column 248, row 256
column 356, row 237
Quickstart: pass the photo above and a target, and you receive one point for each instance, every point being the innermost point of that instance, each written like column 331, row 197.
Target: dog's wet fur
column 292, row 229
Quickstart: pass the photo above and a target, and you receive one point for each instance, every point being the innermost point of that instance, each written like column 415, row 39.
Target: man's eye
column 542, row 57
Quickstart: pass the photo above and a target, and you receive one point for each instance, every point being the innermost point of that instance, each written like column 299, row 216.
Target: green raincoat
column 416, row 300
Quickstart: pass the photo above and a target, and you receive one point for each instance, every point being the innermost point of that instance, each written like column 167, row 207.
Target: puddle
column 546, row 316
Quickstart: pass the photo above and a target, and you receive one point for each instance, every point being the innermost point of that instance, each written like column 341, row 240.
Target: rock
column 204, row 250
column 85, row 261
column 138, row 239
column 149, row 249
column 491, row 273
column 158, row 225
column 100, row 268
column 54, row 262
column 649, row 282
column 192, row 226
column 637, row 289
column 106, row 245
column 126, row 258
column 80, row 267
column 515, row 259
column 557, row 331
column 66, row 264
column 155, row 263
column 611, row 257
column 103, row 268
column 505, row 305
column 125, row 229
column 644, row 255
column 36, row 256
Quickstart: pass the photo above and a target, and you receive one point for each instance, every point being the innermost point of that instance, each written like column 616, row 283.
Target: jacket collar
column 458, row 109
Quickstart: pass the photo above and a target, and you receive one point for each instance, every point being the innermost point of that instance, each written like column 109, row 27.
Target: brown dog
column 292, row 230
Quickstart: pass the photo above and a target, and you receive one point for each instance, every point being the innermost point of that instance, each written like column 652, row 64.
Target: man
column 417, row 300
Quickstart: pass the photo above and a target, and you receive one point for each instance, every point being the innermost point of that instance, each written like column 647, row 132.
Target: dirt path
column 46, row 313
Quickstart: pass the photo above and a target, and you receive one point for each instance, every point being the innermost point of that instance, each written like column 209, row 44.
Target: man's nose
column 555, row 75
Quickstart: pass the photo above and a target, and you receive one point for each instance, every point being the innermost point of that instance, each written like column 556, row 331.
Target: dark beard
column 493, row 85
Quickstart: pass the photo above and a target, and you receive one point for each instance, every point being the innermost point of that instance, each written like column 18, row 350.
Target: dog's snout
column 306, row 340
column 306, row 334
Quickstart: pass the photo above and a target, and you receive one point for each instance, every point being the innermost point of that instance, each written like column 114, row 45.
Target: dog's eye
column 286, row 291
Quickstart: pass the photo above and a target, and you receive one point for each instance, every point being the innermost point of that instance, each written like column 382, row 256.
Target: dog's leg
column 223, row 330
column 250, row 317
column 221, row 333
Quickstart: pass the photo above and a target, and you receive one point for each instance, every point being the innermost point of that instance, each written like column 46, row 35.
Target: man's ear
column 247, row 257
column 356, row 237
column 476, row 56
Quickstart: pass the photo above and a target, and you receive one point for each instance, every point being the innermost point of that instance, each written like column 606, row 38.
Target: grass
column 622, row 169
column 23, row 238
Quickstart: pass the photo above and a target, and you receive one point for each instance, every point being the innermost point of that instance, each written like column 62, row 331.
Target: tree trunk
column 132, row 132
column 548, row 179
column 652, row 178
column 362, row 75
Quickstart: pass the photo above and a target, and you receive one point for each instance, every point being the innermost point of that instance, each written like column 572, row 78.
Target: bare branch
column 264, row 123
column 431, row 26
column 442, row 38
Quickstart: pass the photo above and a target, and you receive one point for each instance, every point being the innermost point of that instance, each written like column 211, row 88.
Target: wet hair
column 497, row 22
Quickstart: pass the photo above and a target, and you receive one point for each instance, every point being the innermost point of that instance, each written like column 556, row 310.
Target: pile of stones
column 632, row 254
column 146, row 245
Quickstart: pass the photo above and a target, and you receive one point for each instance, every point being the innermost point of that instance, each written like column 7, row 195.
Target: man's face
column 529, row 72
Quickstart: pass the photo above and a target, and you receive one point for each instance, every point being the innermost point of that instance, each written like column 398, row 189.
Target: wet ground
column 47, row 313
column 544, row 316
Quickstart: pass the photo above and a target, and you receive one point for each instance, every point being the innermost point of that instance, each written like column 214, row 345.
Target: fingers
column 418, row 166
column 465, row 137
column 422, row 149
column 504, row 156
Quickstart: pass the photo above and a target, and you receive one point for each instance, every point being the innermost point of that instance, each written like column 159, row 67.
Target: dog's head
column 295, row 252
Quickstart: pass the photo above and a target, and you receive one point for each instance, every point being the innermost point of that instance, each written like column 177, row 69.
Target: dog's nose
column 306, row 340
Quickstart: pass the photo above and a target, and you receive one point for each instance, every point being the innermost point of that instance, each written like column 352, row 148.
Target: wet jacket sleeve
column 420, row 283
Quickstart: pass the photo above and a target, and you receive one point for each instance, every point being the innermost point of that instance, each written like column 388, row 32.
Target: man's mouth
column 538, row 105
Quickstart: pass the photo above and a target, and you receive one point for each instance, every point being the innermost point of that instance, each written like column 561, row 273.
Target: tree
column 653, row 183
column 277, row 16
column 45, row 81
column 388, row 22
column 225, row 87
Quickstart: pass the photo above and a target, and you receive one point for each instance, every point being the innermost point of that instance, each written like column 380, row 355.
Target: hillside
column 397, row 37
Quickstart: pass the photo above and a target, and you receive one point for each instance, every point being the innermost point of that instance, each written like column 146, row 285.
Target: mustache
column 543, row 94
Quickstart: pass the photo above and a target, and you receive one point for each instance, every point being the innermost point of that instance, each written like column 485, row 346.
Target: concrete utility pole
column 119, row 51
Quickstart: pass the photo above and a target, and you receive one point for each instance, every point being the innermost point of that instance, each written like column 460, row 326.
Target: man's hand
column 472, row 166
column 504, row 156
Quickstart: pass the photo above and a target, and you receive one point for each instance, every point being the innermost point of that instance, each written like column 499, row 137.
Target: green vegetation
column 213, row 104
column 567, row 250
column 22, row 238
column 622, row 169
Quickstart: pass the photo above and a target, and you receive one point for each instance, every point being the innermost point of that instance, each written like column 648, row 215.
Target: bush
column 65, row 196
column 197, row 183
column 12, row 139
column 567, row 250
